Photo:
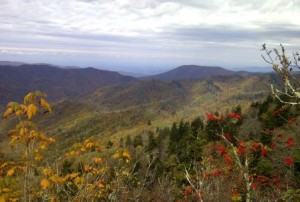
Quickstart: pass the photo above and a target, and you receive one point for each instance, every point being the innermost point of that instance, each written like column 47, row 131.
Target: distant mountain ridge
column 190, row 72
column 16, row 63
column 58, row 83
column 17, row 79
column 11, row 63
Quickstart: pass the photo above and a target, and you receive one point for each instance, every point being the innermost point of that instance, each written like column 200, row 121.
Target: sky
column 146, row 35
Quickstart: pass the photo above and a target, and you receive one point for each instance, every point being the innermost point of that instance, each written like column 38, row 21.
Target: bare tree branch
column 284, row 68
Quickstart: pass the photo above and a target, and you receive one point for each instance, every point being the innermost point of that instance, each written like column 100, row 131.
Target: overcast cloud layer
column 146, row 33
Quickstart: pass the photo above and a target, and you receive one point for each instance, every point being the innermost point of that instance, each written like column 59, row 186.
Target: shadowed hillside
column 57, row 83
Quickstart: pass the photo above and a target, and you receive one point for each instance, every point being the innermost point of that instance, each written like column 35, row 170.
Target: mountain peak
column 190, row 72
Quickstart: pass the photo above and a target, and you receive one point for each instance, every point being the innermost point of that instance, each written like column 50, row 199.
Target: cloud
column 232, row 34
column 184, row 31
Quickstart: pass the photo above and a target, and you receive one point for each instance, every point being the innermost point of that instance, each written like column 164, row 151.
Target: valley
column 149, row 130
column 110, row 106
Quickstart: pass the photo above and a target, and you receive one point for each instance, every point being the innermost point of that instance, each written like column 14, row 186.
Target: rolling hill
column 189, row 72
column 182, row 93
column 57, row 83
column 113, row 111
column 96, row 98
column 107, row 105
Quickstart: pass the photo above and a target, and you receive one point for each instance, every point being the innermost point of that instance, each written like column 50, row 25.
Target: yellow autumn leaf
column 29, row 98
column 8, row 112
column 51, row 140
column 10, row 172
column 126, row 173
column 72, row 153
column 38, row 157
column 116, row 156
column 97, row 160
column 40, row 94
column 14, row 137
column 101, row 185
column 22, row 110
column 5, row 190
column 32, row 134
column 79, row 180
column 23, row 131
column 90, row 187
column 31, row 111
column 45, row 105
column 126, row 155
column 47, row 171
column 73, row 175
column 89, row 145
column 43, row 137
column 53, row 199
column 87, row 168
column 103, row 170
column 14, row 105
column 12, row 144
column 43, row 147
column 57, row 180
column 19, row 112
column 2, row 199
column 4, row 164
column 45, row 184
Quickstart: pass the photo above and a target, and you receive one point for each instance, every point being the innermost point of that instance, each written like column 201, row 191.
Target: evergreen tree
column 109, row 144
column 151, row 142
column 128, row 141
column 173, row 138
column 121, row 143
column 183, row 130
column 212, row 129
column 138, row 140
column 196, row 126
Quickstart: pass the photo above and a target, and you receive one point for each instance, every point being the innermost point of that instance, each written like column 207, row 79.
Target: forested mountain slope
column 57, row 83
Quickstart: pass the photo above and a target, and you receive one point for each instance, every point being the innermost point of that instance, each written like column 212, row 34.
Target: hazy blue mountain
column 190, row 72
column 58, row 83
